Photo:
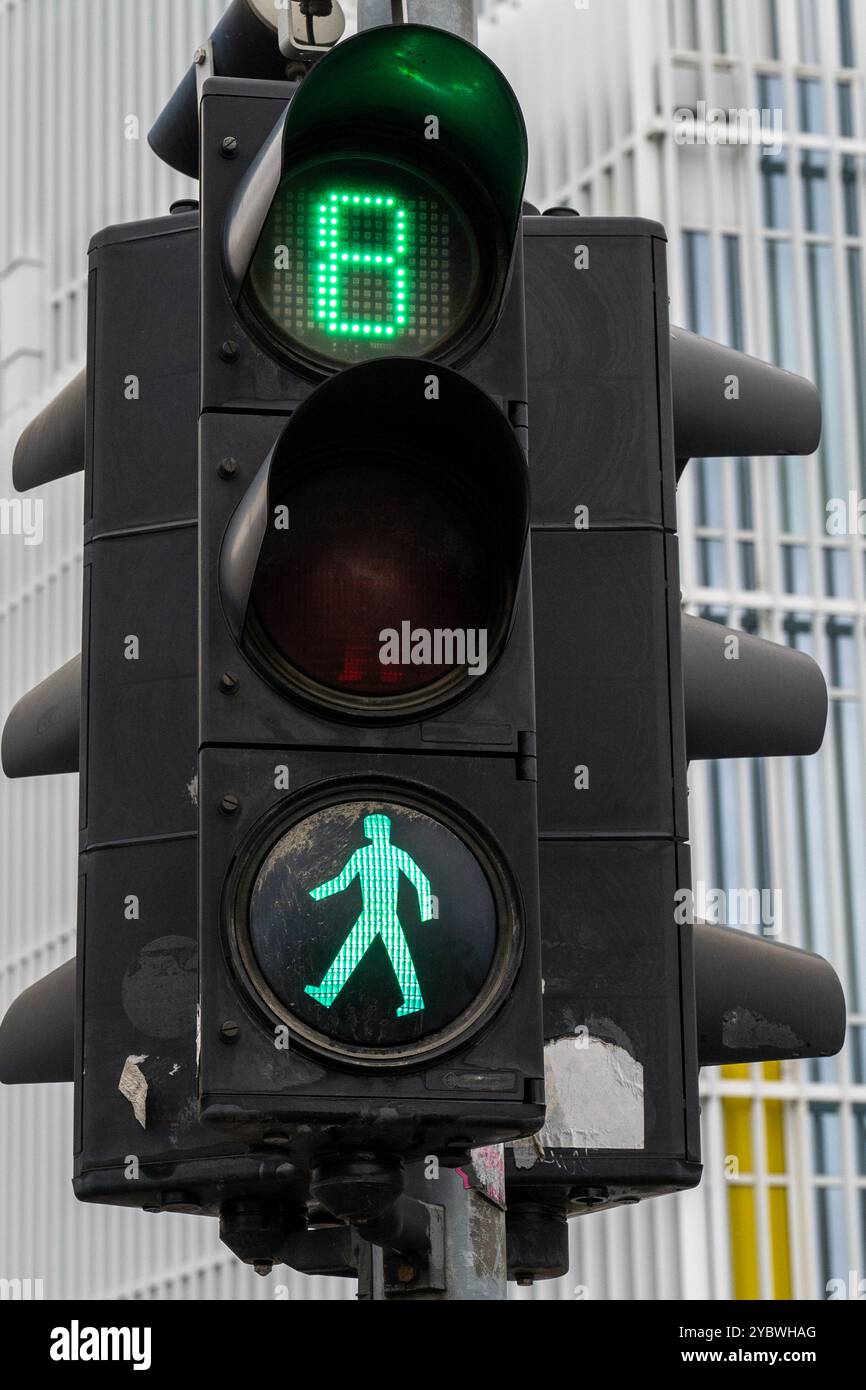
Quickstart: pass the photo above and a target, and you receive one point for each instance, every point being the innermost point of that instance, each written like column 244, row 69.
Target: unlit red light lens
column 370, row 550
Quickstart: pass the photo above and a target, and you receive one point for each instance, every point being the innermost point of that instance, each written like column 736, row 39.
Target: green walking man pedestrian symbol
column 378, row 866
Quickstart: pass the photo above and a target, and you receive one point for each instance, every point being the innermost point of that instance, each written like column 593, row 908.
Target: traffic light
column 636, row 996
column 329, row 845
column 368, row 901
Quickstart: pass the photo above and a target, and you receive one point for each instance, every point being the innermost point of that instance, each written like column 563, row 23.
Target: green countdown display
column 360, row 259
column 371, row 922
column 364, row 237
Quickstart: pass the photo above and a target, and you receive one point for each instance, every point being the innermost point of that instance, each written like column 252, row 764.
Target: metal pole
column 475, row 1256
column 457, row 16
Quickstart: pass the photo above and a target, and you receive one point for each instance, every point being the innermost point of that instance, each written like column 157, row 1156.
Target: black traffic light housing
column 325, row 439
column 356, row 483
column 628, row 690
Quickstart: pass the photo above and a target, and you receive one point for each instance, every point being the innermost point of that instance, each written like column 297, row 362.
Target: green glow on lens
column 378, row 867
column 383, row 239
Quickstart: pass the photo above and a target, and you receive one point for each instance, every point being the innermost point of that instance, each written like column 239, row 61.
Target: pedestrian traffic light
column 636, row 996
column 370, row 985
column 318, row 881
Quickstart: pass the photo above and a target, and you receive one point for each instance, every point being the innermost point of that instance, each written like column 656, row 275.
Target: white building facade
column 767, row 253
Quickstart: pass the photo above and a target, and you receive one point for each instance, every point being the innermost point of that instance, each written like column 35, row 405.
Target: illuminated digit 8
column 340, row 261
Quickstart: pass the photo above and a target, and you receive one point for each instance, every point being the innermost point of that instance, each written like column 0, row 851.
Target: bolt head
column 229, row 683
column 230, row 805
column 228, row 468
column 230, row 351
column 229, row 146
column 230, row 1032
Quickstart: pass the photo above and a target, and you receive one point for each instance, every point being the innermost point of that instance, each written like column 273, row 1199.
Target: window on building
column 826, row 367
column 847, row 45
column 784, row 338
column 851, row 194
column 856, row 304
column 843, row 654
column 733, row 290
column 833, row 1262
column 815, row 172
column 748, row 566
column 736, row 336
column 684, row 24
column 850, row 811
column 807, row 795
column 845, row 93
column 707, row 473
column 768, row 29
column 783, row 317
column 777, row 197
column 838, row 578
column 810, row 105
column 771, row 91
column 711, row 564
column 809, row 26
column 795, row 569
column 832, row 1243
column 859, row 1113
column 826, row 1139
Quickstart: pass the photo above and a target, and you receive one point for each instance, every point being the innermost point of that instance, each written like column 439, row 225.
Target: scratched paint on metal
column 133, row 1087
column 488, row 1172
column 595, row 1100
column 743, row 1028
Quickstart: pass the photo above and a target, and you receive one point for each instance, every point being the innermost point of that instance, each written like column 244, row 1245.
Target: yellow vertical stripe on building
column 777, row 1197
column 742, row 1199
column 742, row 1215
